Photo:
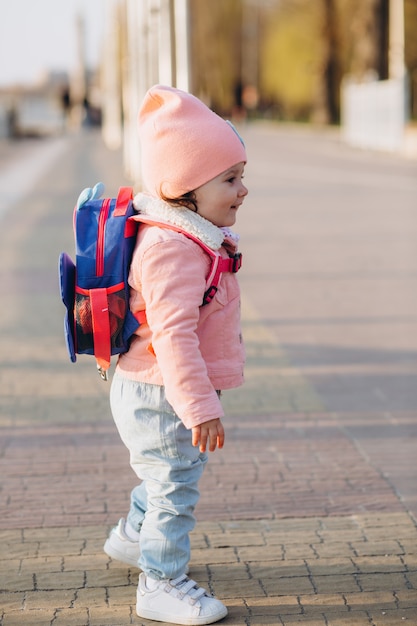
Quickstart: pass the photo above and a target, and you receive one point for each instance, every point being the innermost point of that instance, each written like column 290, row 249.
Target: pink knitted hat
column 184, row 143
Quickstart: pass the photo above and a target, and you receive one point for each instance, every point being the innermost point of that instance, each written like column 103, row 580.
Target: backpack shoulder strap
column 219, row 265
column 124, row 197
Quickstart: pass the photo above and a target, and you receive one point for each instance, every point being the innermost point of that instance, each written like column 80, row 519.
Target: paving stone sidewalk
column 306, row 516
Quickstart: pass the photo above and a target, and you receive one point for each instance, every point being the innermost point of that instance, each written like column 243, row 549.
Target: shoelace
column 187, row 587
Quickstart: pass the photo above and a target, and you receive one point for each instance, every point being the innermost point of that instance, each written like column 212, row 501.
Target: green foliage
column 216, row 58
column 305, row 48
column 291, row 56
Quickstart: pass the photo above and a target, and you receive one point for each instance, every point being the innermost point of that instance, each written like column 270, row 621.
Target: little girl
column 165, row 394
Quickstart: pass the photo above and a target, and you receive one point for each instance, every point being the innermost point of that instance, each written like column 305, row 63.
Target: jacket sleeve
column 173, row 278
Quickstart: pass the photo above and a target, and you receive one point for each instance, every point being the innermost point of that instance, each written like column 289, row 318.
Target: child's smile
column 220, row 198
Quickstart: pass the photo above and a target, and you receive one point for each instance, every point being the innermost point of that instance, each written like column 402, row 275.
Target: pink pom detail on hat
column 184, row 144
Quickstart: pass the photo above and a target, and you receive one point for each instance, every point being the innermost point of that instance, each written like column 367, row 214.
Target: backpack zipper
column 101, row 234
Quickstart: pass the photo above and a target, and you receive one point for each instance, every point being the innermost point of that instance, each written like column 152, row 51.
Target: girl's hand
column 211, row 432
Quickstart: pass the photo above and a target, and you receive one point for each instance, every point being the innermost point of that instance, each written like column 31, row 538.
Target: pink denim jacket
column 191, row 350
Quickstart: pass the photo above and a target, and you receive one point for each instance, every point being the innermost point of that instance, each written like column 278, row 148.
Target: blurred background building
column 348, row 62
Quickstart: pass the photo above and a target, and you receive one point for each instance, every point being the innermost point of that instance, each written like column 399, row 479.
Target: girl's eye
column 232, row 179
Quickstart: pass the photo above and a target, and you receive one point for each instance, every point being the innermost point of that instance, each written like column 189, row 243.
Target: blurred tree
column 303, row 51
column 291, row 57
column 410, row 24
column 309, row 47
column 327, row 103
column 410, row 10
column 216, row 51
column 364, row 39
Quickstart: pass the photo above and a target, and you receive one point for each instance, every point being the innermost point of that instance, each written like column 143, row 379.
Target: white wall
column 374, row 114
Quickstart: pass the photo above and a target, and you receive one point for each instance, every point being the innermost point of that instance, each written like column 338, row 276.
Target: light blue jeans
column 163, row 457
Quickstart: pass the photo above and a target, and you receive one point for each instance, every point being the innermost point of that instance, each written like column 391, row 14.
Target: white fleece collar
column 211, row 235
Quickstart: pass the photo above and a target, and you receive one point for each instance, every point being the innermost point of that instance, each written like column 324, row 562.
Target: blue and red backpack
column 95, row 290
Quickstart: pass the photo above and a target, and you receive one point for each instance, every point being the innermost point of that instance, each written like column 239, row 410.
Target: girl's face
column 219, row 199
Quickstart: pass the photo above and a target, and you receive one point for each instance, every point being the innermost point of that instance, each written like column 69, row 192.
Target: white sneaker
column 120, row 547
column 178, row 601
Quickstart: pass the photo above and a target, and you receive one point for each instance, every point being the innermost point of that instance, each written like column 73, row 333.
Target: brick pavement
column 300, row 521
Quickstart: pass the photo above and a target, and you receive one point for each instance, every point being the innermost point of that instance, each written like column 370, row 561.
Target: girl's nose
column 243, row 190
